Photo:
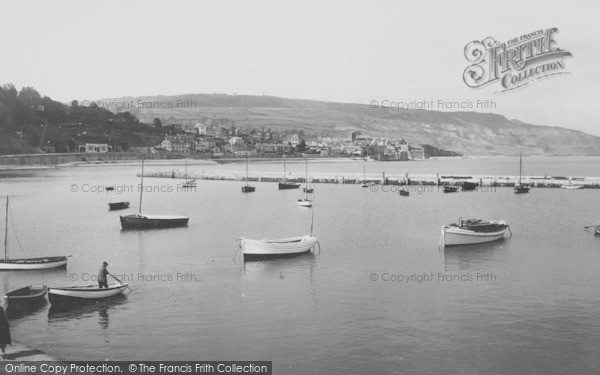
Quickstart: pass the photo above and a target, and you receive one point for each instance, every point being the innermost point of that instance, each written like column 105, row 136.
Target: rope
column 15, row 232
column 509, row 231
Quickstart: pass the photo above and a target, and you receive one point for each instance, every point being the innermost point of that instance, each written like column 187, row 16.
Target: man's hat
column 104, row 264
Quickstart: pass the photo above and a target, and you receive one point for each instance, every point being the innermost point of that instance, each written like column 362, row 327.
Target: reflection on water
column 103, row 318
column 16, row 310
column 330, row 318
column 66, row 312
column 262, row 267
column 471, row 257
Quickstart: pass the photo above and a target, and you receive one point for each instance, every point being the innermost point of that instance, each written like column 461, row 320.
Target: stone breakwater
column 388, row 179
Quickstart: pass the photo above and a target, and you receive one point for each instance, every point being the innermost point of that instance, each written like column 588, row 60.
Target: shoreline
column 19, row 351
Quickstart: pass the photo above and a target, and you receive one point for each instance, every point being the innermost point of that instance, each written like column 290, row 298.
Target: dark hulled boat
column 118, row 206
column 469, row 186
column 288, row 185
column 145, row 221
column 450, row 189
column 141, row 221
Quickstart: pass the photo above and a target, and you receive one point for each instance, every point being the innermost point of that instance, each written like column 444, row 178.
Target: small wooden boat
column 118, row 206
column 469, row 186
column 247, row 188
column 403, row 192
column 269, row 248
column 88, row 293
column 31, row 293
column 283, row 185
column 27, row 263
column 109, row 188
column 473, row 231
column 304, row 202
column 450, row 189
column 277, row 247
column 571, row 187
column 145, row 221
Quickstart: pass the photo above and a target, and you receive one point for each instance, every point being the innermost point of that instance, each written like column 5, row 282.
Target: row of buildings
column 215, row 140
column 253, row 145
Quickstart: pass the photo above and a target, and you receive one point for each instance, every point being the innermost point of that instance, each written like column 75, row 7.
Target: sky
column 339, row 51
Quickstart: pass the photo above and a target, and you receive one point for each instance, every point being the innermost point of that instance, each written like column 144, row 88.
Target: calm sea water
column 528, row 304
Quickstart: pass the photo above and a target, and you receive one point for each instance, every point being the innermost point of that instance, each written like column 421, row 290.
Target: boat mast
column 6, row 232
column 142, row 187
column 284, row 175
column 312, row 215
column 306, row 179
column 520, row 167
column 186, row 172
column 246, row 169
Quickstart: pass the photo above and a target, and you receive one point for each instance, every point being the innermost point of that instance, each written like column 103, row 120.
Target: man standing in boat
column 102, row 273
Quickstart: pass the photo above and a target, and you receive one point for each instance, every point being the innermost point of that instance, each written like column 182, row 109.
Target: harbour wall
column 387, row 179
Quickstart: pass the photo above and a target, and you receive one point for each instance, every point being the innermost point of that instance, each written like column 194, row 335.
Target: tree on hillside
column 301, row 146
column 157, row 123
column 28, row 96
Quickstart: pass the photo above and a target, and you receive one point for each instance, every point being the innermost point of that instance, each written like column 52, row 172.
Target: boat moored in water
column 450, row 189
column 247, row 188
column 118, row 206
column 572, row 187
column 27, row 263
column 284, row 184
column 146, row 221
column 473, row 231
column 31, row 293
column 277, row 247
column 521, row 188
column 87, row 293
column 469, row 186
column 304, row 202
column 143, row 221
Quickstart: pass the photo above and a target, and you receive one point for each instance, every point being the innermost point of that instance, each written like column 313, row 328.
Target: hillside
column 31, row 123
column 469, row 133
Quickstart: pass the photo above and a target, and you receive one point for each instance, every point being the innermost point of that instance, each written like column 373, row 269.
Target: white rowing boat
column 277, row 247
column 84, row 293
column 27, row 263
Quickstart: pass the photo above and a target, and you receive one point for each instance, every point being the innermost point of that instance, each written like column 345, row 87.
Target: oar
column 590, row 226
column 114, row 277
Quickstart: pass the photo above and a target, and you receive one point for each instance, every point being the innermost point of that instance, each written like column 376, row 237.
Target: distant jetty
column 438, row 179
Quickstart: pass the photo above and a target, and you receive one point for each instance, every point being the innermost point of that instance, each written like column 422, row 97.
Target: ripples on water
column 319, row 313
